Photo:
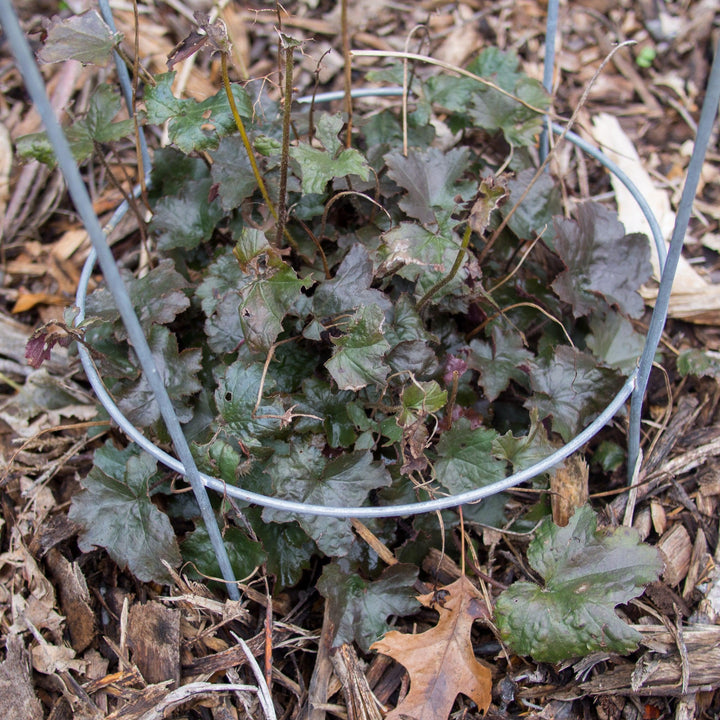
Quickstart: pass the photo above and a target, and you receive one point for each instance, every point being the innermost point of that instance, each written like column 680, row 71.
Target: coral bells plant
column 370, row 313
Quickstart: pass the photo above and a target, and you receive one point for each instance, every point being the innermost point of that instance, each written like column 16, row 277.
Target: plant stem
column 245, row 139
column 285, row 154
column 347, row 75
column 248, row 148
column 453, row 271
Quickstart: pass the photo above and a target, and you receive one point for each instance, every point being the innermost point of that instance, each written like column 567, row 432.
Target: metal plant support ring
column 416, row 508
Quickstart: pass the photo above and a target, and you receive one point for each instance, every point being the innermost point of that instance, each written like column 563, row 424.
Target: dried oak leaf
column 440, row 661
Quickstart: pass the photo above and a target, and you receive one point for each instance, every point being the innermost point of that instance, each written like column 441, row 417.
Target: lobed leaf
column 179, row 373
column 603, row 263
column 245, row 555
column 350, row 288
column 465, row 460
column 194, row 125
column 305, row 475
column 570, row 387
column 85, row 38
column 499, row 362
column 236, row 397
column 96, row 127
column 265, row 301
column 359, row 356
column 587, row 573
column 359, row 608
column 116, row 513
column 188, row 218
column 430, row 178
column 441, row 661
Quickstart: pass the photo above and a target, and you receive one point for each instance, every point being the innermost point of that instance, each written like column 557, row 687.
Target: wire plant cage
column 634, row 387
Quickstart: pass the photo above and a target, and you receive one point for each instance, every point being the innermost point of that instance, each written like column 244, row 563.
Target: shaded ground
column 102, row 644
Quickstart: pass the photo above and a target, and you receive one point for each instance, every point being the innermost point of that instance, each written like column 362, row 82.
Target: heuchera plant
column 345, row 345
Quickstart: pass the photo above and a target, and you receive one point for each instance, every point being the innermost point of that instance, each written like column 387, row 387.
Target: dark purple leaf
column 604, row 265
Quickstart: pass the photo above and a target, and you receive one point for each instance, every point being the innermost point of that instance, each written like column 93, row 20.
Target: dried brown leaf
column 440, row 661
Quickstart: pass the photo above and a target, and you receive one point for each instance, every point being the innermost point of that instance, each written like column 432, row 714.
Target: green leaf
column 609, row 455
column 37, row 146
column 487, row 108
column 158, row 297
column 350, row 288
column 615, row 341
column 465, row 460
column 327, row 129
column 499, row 362
column 420, row 399
column 587, row 573
column 219, row 295
column 702, row 363
column 332, row 407
column 292, row 363
column 188, row 119
column 266, row 300
column 602, row 262
column 406, row 324
column 232, row 171
column 249, row 243
column 172, row 169
column 116, row 513
column 409, row 340
column 318, row 167
column 419, row 255
column 493, row 111
column 179, row 373
column 186, row 219
column 430, row 177
column 526, row 450
column 85, row 38
column 224, row 460
column 305, row 475
column 245, row 555
column 288, row 548
column 359, row 356
column 359, row 608
column 235, row 397
column 95, row 127
column 570, row 387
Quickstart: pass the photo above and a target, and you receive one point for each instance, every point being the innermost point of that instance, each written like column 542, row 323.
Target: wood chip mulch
column 83, row 639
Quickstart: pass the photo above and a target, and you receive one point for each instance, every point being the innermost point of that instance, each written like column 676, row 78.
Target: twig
column 287, row 49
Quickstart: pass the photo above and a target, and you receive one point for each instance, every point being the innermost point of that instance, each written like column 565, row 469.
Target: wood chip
column 74, row 599
column 360, row 702
column 676, row 548
column 569, row 488
column 154, row 637
column 17, row 696
column 659, row 519
column 661, row 666
column 698, row 562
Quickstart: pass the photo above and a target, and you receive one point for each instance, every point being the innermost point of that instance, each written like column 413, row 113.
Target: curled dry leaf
column 441, row 661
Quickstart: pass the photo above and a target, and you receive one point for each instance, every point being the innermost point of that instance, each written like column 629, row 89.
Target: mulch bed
column 83, row 639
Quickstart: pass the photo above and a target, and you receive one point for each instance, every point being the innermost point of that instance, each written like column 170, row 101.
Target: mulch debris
column 83, row 639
